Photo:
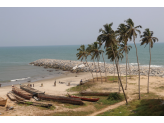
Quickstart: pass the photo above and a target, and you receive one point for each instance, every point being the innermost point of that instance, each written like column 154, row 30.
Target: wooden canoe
column 11, row 97
column 36, row 103
column 2, row 101
column 85, row 93
column 33, row 91
column 62, row 99
column 86, row 99
column 22, row 93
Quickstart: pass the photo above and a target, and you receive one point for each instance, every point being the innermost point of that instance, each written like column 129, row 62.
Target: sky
column 45, row 26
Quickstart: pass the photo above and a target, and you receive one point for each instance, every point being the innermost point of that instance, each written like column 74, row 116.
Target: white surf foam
column 19, row 79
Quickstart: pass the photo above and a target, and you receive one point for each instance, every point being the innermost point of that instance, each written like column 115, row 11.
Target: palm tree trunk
column 118, row 79
column 113, row 68
column 104, row 67
column 149, row 68
column 99, row 69
column 119, row 76
column 129, row 67
column 89, row 69
column 138, row 68
column 126, row 68
column 96, row 69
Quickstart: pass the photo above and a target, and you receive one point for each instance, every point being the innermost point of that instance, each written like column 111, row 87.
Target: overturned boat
column 85, row 99
column 3, row 101
column 22, row 93
column 33, row 91
column 61, row 99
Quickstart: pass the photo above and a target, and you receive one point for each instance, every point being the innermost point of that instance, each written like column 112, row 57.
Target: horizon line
column 59, row 45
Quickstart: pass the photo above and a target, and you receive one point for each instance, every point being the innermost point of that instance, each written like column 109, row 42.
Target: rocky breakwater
column 78, row 66
column 74, row 66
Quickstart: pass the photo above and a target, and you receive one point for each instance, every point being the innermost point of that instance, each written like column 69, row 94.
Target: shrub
column 114, row 96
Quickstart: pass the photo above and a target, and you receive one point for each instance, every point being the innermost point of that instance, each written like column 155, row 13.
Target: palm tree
column 118, row 55
column 148, row 39
column 89, row 50
column 96, row 55
column 109, row 37
column 126, row 49
column 83, row 54
column 131, row 32
column 123, row 37
column 100, row 45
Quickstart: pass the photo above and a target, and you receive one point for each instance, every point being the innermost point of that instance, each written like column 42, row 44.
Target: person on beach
column 81, row 82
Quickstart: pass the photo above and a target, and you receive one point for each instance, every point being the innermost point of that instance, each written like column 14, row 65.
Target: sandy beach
column 60, row 89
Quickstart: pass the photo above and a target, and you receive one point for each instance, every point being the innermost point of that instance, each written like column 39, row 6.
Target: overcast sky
column 71, row 26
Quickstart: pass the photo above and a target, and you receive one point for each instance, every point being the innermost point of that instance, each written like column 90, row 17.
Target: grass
column 71, row 113
column 110, row 78
column 70, row 106
column 149, row 105
column 159, row 88
column 103, row 102
column 81, row 87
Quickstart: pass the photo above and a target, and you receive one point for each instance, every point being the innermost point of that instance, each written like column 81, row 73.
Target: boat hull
column 60, row 99
column 86, row 99
column 3, row 102
column 33, row 91
column 22, row 93
column 85, row 93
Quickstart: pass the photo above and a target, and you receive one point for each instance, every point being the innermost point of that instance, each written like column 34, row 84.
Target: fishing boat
column 85, row 93
column 2, row 101
column 85, row 99
column 62, row 99
column 33, row 91
column 11, row 97
column 22, row 93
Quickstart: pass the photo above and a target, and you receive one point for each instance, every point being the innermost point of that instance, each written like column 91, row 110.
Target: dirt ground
column 156, row 86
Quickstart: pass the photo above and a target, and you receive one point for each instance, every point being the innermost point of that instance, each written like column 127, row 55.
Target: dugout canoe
column 85, row 93
column 33, row 91
column 36, row 103
column 2, row 101
column 61, row 99
column 85, row 99
column 11, row 97
column 22, row 93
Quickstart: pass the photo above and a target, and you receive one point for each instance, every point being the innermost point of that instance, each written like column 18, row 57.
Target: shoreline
column 48, row 84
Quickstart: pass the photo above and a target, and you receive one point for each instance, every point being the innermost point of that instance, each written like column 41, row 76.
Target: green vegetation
column 103, row 102
column 81, row 87
column 71, row 113
column 28, row 103
column 70, row 106
column 110, row 78
column 150, row 105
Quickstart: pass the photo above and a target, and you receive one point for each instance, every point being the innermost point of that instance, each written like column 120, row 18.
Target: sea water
column 15, row 67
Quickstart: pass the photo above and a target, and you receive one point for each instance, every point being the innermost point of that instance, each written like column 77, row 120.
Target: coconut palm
column 89, row 50
column 131, row 32
column 108, row 37
column 125, row 48
column 96, row 55
column 100, row 45
column 123, row 37
column 148, row 39
column 118, row 56
column 83, row 54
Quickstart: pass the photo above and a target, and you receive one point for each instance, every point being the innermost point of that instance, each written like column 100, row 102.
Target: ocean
column 14, row 61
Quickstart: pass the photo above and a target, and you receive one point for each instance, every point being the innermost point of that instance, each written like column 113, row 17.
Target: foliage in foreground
column 149, row 106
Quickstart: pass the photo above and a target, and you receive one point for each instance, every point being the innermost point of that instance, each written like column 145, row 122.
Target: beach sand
column 156, row 83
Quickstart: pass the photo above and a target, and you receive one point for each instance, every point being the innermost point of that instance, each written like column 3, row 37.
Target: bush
column 114, row 96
